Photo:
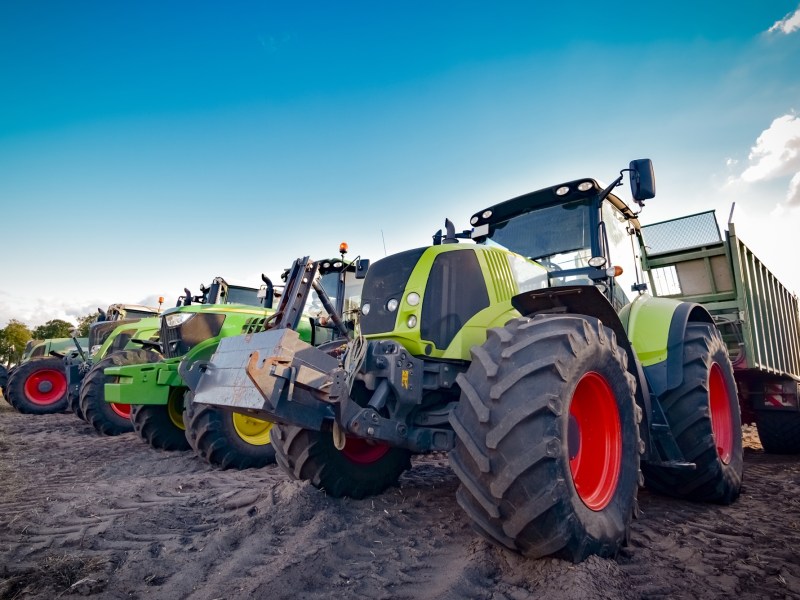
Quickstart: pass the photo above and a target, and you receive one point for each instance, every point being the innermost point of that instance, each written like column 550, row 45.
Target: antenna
column 730, row 216
column 384, row 243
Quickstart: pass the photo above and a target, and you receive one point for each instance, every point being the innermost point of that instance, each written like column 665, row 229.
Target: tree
column 84, row 322
column 55, row 328
column 13, row 338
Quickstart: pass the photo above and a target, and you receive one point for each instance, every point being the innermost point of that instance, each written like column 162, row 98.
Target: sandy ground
column 84, row 515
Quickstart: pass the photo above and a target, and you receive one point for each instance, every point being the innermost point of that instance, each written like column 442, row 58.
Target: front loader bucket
column 273, row 375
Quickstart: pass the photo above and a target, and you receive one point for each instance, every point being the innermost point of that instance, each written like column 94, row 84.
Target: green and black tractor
column 38, row 384
column 163, row 412
column 120, row 335
column 532, row 355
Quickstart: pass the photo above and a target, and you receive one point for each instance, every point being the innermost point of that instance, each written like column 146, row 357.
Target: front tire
column 161, row 425
column 105, row 417
column 548, row 442
column 226, row 439
column 703, row 413
column 360, row 469
column 38, row 387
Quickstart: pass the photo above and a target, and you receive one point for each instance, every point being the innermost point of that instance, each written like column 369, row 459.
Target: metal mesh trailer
column 688, row 258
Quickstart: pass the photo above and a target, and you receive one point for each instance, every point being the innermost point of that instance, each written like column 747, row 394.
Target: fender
column 656, row 328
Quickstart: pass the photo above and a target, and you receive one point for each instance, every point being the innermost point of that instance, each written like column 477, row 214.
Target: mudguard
column 656, row 328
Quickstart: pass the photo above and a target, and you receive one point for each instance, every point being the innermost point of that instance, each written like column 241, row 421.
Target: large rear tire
column 548, row 441
column 779, row 431
column 161, row 425
column 360, row 469
column 108, row 418
column 38, row 387
column 226, row 439
column 703, row 413
column 3, row 380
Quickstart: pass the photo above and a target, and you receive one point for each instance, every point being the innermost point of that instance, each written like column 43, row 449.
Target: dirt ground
column 84, row 515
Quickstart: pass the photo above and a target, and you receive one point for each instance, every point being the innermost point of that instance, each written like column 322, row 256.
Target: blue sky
column 149, row 146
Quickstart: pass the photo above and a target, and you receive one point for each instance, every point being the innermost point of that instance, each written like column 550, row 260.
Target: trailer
column 687, row 258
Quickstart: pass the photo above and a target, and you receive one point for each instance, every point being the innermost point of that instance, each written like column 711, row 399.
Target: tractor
column 533, row 356
column 163, row 413
column 118, row 336
column 38, row 384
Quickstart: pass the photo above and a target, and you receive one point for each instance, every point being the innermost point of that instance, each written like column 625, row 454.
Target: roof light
column 562, row 191
column 597, row 261
column 585, row 186
column 486, row 214
column 473, row 221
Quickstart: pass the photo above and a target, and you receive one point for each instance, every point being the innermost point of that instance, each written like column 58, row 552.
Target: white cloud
column 788, row 24
column 776, row 154
column 793, row 197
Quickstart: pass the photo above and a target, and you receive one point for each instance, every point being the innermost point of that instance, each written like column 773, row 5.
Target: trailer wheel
column 161, row 425
column 106, row 417
column 360, row 469
column 779, row 431
column 547, row 435
column 703, row 413
column 38, row 387
column 226, row 439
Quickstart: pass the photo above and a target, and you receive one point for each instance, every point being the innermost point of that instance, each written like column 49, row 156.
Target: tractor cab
column 579, row 231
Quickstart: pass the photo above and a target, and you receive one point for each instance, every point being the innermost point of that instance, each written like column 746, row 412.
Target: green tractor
column 163, row 413
column 523, row 356
column 121, row 335
column 38, row 384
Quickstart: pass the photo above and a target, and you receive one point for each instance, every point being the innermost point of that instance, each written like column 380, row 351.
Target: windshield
column 138, row 314
column 557, row 237
column 242, row 295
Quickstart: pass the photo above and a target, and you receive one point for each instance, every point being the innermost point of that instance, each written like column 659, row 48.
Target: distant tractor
column 687, row 258
column 121, row 335
column 525, row 358
column 38, row 384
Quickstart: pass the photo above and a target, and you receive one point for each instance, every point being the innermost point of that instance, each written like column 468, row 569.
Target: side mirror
column 362, row 265
column 643, row 179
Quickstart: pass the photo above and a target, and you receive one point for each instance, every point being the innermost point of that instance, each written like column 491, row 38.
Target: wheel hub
column 45, row 386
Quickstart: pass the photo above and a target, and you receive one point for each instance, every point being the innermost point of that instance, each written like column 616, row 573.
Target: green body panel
column 501, row 286
column 43, row 348
column 144, row 329
column 647, row 321
column 144, row 384
column 151, row 383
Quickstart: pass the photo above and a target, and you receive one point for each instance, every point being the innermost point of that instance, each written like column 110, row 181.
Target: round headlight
column 486, row 214
column 337, row 264
column 473, row 221
column 326, row 265
column 412, row 321
column 392, row 304
column 597, row 261
column 585, row 186
column 562, row 191
column 365, row 309
column 412, row 299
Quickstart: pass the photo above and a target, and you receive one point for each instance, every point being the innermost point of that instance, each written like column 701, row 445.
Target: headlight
column 412, row 299
column 597, row 261
column 392, row 304
column 365, row 309
column 412, row 321
column 175, row 319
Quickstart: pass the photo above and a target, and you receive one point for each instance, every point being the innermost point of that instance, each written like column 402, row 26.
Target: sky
column 150, row 146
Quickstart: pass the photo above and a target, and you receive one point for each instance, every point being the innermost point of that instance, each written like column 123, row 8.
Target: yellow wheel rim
column 253, row 431
column 175, row 408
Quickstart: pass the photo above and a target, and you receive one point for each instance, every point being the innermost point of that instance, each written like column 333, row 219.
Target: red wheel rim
column 123, row 410
column 362, row 452
column 721, row 418
column 595, row 441
column 45, row 386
